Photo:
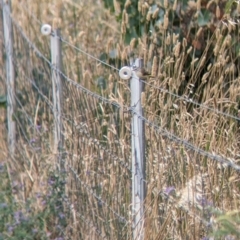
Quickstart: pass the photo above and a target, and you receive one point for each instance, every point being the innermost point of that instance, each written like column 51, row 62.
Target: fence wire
column 189, row 171
column 189, row 100
column 96, row 154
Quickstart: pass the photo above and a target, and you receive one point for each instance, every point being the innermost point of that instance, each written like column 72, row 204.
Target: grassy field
column 91, row 197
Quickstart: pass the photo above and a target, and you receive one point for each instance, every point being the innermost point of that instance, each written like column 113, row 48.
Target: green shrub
column 25, row 219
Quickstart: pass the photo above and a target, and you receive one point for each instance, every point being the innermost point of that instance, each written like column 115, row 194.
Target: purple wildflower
column 169, row 190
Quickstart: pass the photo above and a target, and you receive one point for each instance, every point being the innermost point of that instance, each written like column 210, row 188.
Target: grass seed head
column 155, row 13
column 168, row 40
column 154, row 66
column 148, row 17
column 189, row 50
column 199, row 32
column 177, row 49
column 174, row 8
column 117, row 7
column 127, row 3
column 165, row 4
column 165, row 21
column 218, row 12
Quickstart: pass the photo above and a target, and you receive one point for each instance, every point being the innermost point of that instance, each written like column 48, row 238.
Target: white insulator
column 125, row 73
column 46, row 29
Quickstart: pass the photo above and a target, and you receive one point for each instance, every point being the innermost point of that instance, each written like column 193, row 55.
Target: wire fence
column 187, row 164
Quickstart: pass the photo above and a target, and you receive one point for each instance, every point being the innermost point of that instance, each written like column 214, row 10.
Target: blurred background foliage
column 160, row 29
column 185, row 17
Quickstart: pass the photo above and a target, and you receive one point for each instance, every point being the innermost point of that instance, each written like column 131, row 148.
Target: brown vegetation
column 183, row 186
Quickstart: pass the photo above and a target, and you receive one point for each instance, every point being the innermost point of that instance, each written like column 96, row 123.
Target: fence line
column 67, row 42
column 78, row 127
column 145, row 82
column 77, row 169
column 56, row 60
column 87, row 91
column 87, row 54
column 188, row 100
column 78, row 86
column 100, row 200
column 23, row 110
column 66, row 199
column 178, row 140
column 10, row 76
column 121, row 218
column 76, row 176
column 99, row 60
column 175, row 138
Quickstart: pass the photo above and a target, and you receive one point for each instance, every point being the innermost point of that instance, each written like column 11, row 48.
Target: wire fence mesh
column 192, row 151
column 97, row 161
column 96, row 158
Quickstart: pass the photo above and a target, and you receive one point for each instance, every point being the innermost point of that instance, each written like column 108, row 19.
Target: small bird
column 141, row 73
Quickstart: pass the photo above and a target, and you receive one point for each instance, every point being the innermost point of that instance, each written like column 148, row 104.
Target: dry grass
column 182, row 186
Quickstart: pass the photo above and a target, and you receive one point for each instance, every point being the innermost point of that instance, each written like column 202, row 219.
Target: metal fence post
column 138, row 154
column 57, row 92
column 8, row 40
